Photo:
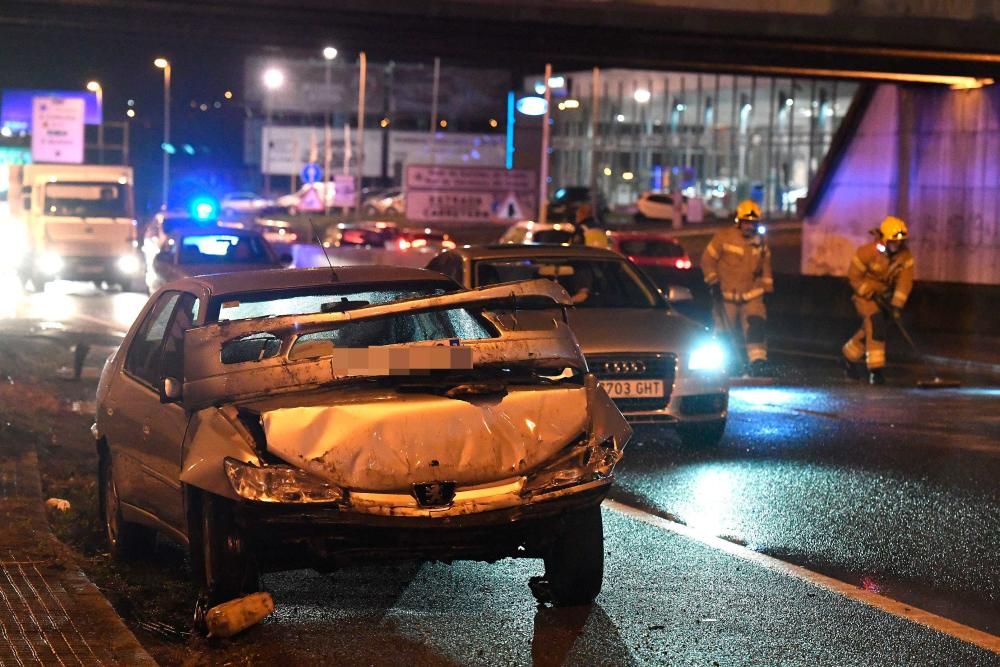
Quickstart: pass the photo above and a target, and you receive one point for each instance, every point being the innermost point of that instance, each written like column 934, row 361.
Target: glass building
column 719, row 137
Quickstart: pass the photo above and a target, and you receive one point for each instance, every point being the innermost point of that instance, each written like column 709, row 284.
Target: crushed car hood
column 388, row 442
column 609, row 330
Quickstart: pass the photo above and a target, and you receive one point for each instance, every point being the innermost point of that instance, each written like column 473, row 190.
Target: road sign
column 311, row 200
column 345, row 192
column 437, row 193
column 57, row 129
column 311, row 173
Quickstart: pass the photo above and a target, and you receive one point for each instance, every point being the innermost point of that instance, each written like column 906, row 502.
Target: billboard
column 441, row 193
column 57, row 129
column 16, row 106
column 285, row 150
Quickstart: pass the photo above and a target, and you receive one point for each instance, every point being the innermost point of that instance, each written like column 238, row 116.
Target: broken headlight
column 278, row 484
column 582, row 461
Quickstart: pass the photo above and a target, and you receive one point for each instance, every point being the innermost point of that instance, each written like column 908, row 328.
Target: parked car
column 658, row 365
column 658, row 206
column 666, row 262
column 299, row 201
column 244, row 203
column 566, row 201
column 195, row 251
column 529, row 231
column 387, row 235
column 388, row 203
column 280, row 419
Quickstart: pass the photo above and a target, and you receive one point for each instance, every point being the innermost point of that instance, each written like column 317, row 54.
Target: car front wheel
column 704, row 434
column 574, row 564
column 220, row 558
column 126, row 541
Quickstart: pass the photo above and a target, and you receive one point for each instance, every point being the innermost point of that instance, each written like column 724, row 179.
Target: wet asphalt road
column 892, row 489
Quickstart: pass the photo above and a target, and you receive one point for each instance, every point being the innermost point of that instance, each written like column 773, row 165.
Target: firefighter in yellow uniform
column 737, row 268
column 881, row 275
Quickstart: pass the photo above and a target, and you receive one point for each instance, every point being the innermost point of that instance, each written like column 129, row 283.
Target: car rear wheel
column 704, row 434
column 126, row 540
column 574, row 564
column 391, row 212
column 221, row 562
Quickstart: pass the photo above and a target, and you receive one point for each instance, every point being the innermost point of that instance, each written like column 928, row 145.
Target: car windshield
column 87, row 200
column 223, row 249
column 591, row 283
column 650, row 248
column 309, row 301
column 551, row 236
column 571, row 194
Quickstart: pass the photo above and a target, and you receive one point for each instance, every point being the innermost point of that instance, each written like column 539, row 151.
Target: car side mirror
column 286, row 259
column 678, row 294
column 170, row 390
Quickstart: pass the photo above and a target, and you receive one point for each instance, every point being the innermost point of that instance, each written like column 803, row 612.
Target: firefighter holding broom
column 881, row 275
column 737, row 267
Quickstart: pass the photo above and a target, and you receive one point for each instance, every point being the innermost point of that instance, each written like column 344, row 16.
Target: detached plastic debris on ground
column 233, row 617
column 57, row 504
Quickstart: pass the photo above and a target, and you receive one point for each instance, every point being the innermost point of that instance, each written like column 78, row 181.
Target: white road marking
column 983, row 640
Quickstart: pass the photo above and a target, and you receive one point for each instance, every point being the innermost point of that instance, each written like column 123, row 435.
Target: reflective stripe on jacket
column 741, row 266
column 873, row 271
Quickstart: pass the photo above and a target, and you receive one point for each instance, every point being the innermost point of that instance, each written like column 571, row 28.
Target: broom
column 933, row 383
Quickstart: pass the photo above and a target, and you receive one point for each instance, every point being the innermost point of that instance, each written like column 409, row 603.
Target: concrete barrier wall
column 811, row 305
column 932, row 156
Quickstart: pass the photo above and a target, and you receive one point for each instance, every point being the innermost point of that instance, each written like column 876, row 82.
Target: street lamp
column 329, row 53
column 95, row 87
column 164, row 64
column 273, row 79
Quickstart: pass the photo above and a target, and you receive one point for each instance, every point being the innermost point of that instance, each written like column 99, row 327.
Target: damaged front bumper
column 326, row 536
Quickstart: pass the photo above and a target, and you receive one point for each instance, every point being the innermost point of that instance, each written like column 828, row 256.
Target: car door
column 130, row 397
column 166, row 423
column 153, row 461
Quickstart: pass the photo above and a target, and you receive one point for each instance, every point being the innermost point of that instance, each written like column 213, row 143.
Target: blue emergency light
column 204, row 209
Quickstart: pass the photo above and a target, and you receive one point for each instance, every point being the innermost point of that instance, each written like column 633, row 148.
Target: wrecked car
column 280, row 419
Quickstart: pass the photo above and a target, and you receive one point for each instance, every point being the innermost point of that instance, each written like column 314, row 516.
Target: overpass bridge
column 889, row 40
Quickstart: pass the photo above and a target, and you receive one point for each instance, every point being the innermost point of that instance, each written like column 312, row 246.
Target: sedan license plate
column 633, row 388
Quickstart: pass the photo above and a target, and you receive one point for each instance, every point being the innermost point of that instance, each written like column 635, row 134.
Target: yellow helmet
column 892, row 229
column 748, row 210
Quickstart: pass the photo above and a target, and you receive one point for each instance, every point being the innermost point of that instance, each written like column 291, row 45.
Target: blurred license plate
column 90, row 268
column 633, row 388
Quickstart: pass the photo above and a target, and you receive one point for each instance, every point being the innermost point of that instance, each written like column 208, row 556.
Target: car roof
column 195, row 230
column 283, row 279
column 646, row 235
column 515, row 250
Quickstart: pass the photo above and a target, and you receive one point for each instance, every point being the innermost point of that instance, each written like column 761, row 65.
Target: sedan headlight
column 707, row 357
column 50, row 263
column 278, row 484
column 128, row 264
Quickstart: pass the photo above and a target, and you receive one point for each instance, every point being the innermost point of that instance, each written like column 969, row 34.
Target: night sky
column 202, row 72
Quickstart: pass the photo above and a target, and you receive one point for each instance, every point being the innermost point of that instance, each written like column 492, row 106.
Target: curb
column 57, row 615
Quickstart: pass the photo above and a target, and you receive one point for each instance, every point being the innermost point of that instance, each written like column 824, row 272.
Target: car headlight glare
column 707, row 357
column 128, row 264
column 278, row 484
column 50, row 263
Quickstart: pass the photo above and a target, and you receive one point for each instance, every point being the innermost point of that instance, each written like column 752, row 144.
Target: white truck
column 75, row 222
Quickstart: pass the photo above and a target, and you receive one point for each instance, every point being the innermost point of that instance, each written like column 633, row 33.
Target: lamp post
column 273, row 79
column 95, row 87
column 164, row 64
column 329, row 53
